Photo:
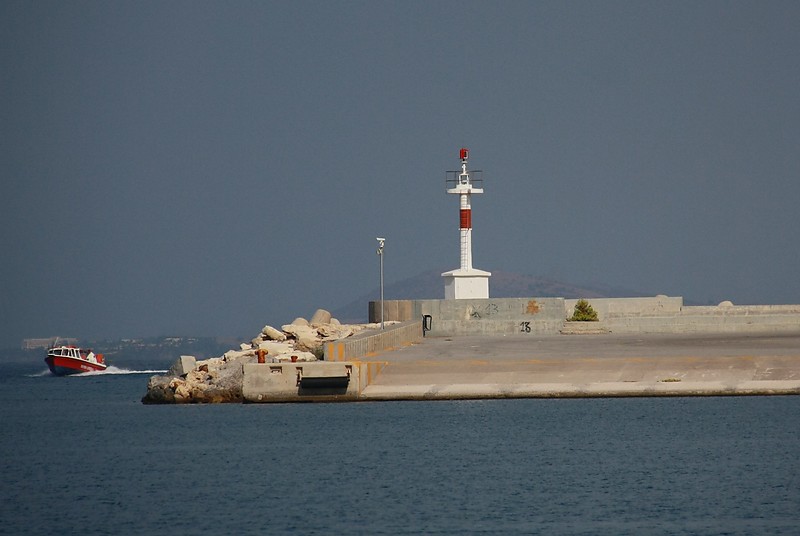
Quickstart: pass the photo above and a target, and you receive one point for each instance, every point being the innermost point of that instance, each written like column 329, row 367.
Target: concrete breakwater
column 596, row 365
column 547, row 366
column 520, row 348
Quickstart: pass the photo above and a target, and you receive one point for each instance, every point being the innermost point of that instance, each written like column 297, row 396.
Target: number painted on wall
column 525, row 327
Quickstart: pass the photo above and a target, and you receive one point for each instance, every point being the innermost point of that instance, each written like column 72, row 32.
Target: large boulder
column 159, row 390
column 333, row 332
column 184, row 365
column 273, row 334
column 233, row 355
column 321, row 316
column 211, row 364
column 182, row 392
column 306, row 337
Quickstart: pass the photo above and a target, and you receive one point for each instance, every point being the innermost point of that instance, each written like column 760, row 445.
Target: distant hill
column 125, row 352
column 430, row 286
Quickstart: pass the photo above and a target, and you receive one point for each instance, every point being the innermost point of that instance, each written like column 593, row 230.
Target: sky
column 205, row 168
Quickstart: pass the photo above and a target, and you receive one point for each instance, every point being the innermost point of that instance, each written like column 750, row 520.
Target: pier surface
column 491, row 366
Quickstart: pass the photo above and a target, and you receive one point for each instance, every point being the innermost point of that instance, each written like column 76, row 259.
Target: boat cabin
column 69, row 351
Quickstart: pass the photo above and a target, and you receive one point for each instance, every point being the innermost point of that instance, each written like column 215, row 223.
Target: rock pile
column 219, row 379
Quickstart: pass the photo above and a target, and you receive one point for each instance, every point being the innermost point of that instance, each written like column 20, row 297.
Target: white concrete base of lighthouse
column 466, row 284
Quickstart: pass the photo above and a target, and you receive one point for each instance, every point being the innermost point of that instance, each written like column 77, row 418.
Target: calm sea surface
column 82, row 455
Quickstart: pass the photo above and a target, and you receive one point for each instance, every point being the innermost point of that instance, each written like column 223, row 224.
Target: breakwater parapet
column 535, row 316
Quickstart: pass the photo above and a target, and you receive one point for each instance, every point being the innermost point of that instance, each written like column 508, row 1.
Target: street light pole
column 380, row 255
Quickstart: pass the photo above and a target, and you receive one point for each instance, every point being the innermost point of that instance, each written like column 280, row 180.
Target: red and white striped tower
column 466, row 282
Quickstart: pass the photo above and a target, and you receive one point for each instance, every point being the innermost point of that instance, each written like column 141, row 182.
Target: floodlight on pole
column 381, row 242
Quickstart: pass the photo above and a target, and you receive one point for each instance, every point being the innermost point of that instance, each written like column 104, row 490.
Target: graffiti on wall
column 483, row 311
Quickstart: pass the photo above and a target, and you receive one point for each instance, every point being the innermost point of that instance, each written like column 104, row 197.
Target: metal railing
column 451, row 179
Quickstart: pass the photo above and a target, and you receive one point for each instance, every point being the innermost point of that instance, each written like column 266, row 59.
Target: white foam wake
column 110, row 370
column 116, row 370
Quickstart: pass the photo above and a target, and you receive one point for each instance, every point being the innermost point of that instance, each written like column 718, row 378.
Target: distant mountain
column 430, row 286
column 158, row 351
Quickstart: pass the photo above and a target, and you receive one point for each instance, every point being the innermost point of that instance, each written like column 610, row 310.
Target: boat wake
column 111, row 370
column 116, row 370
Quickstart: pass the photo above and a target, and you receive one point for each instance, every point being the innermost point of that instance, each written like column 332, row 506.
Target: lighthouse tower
column 466, row 282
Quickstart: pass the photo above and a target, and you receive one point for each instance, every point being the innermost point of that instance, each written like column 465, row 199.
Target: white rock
column 273, row 334
column 275, row 347
column 232, row 355
column 196, row 377
column 306, row 336
column 301, row 357
column 321, row 316
column 331, row 332
column 212, row 363
column 182, row 391
column 299, row 321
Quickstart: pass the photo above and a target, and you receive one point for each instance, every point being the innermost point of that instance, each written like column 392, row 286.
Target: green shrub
column 583, row 312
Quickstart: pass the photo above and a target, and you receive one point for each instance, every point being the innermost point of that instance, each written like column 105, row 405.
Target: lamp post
column 380, row 255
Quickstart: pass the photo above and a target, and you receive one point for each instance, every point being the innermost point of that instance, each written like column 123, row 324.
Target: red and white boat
column 65, row 360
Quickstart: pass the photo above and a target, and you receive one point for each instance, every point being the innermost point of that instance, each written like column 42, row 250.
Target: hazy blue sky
column 205, row 168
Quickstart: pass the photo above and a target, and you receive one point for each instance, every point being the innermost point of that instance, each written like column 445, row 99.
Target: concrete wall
column 664, row 314
column 307, row 382
column 368, row 343
column 731, row 319
column 743, row 310
column 500, row 316
column 277, row 382
column 465, row 317
column 608, row 307
column 659, row 314
column 393, row 310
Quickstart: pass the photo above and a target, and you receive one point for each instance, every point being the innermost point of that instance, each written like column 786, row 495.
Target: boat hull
column 65, row 366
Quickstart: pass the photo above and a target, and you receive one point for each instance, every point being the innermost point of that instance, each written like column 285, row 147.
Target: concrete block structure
column 464, row 284
column 184, row 365
column 276, row 382
column 307, row 382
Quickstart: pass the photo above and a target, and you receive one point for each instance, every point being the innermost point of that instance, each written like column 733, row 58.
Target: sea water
column 82, row 455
